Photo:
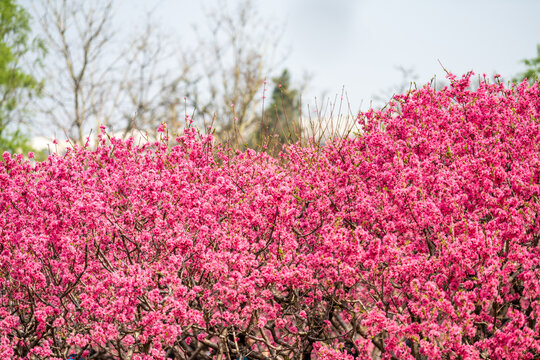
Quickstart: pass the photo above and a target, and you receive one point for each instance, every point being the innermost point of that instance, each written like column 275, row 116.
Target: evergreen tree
column 533, row 68
column 281, row 121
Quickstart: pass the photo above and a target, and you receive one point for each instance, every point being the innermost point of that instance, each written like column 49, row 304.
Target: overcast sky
column 358, row 44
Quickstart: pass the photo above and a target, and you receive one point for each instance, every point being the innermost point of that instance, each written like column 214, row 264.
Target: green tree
column 16, row 85
column 533, row 68
column 281, row 121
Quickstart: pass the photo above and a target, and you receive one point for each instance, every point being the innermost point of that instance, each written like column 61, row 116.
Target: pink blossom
column 419, row 237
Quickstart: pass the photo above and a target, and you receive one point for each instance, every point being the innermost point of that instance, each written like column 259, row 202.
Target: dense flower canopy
column 417, row 239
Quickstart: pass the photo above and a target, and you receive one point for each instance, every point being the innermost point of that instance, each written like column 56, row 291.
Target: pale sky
column 359, row 43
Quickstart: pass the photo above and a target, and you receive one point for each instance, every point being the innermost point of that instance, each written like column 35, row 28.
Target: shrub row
column 418, row 238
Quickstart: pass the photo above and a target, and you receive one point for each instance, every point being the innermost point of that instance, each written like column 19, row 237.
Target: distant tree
column 99, row 78
column 76, row 35
column 16, row 84
column 533, row 68
column 238, row 51
column 14, row 141
column 281, row 121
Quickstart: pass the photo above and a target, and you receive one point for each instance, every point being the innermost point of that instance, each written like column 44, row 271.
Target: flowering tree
column 417, row 239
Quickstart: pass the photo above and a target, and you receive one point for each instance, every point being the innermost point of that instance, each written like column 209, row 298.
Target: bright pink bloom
column 419, row 237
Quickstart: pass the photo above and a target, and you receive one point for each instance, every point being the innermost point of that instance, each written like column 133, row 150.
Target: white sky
column 359, row 43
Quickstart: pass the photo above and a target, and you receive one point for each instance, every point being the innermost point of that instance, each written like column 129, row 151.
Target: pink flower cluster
column 417, row 239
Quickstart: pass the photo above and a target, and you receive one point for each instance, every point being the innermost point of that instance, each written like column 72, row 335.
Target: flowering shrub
column 419, row 239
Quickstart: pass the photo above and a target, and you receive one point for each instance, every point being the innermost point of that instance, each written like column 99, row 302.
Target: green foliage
column 16, row 84
column 533, row 68
column 14, row 142
column 281, row 121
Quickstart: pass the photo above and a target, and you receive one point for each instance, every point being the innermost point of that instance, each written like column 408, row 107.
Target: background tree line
column 79, row 73
column 91, row 76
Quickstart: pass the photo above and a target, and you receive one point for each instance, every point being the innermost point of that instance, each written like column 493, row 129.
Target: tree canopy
column 16, row 83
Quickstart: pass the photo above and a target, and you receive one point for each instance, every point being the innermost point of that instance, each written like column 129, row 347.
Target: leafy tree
column 16, row 84
column 533, row 68
column 14, row 141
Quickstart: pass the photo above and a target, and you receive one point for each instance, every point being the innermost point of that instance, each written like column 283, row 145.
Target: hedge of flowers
column 416, row 239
